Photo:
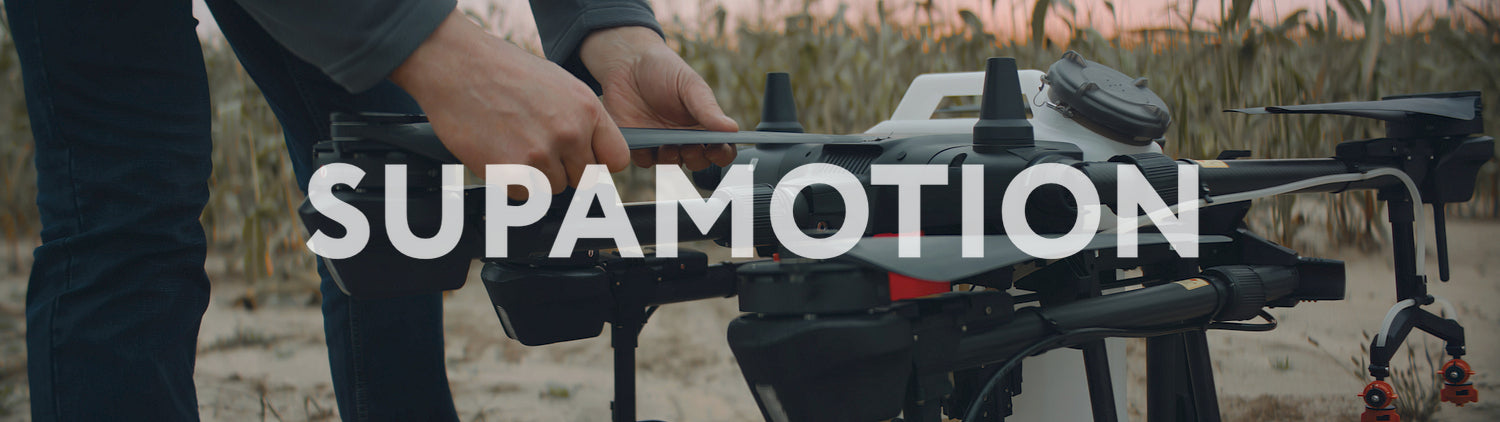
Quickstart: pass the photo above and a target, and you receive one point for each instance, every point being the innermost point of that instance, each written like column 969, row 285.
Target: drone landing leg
column 624, row 404
column 1201, row 374
column 1101, row 390
column 917, row 410
column 1409, row 284
column 623, row 340
column 632, row 292
column 1179, row 379
column 1378, row 396
column 1095, row 356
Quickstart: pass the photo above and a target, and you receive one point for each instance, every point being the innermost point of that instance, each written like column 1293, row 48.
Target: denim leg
column 386, row 354
column 118, row 102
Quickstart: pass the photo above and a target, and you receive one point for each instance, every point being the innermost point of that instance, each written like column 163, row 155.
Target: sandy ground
column 270, row 363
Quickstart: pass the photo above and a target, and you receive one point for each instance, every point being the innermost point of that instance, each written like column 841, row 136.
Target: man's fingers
column 701, row 104
column 668, row 154
column 518, row 192
column 721, row 155
column 643, row 158
column 608, row 144
column 694, row 157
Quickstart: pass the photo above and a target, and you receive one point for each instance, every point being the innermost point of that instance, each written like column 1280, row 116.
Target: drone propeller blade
column 419, row 138
column 651, row 138
column 942, row 258
column 1459, row 106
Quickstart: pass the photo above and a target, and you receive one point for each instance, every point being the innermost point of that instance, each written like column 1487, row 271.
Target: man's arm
column 645, row 84
column 616, row 47
column 360, row 42
column 356, row 42
column 565, row 24
column 489, row 101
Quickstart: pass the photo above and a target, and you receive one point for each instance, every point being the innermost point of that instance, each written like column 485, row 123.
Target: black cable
column 1235, row 326
column 1026, row 298
column 1010, row 364
column 1052, row 324
column 989, row 386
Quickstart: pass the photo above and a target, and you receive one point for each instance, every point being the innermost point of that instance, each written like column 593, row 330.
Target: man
column 118, row 101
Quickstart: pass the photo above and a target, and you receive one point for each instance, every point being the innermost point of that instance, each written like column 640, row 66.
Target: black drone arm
column 413, row 133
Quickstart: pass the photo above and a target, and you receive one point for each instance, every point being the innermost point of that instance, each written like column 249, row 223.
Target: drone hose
column 1169, row 308
column 1226, row 293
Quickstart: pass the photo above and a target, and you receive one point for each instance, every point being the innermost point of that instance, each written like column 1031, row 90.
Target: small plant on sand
column 8, row 394
column 242, row 337
column 1283, row 363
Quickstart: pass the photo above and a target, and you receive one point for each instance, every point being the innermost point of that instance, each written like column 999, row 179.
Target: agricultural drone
column 874, row 333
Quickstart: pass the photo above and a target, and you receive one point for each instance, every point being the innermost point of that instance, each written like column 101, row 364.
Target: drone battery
column 545, row 305
column 372, row 273
column 851, row 367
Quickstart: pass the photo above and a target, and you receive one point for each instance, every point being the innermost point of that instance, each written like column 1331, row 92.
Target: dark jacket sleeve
column 563, row 24
column 358, row 43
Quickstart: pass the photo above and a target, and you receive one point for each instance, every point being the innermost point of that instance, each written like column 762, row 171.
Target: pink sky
column 1004, row 17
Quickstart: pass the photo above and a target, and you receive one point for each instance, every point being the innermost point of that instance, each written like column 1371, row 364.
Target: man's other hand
column 490, row 102
column 647, row 85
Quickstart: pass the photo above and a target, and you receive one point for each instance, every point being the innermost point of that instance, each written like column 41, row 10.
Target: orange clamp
column 1380, row 403
column 1456, row 386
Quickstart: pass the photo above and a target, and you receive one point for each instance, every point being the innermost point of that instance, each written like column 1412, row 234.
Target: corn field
column 849, row 74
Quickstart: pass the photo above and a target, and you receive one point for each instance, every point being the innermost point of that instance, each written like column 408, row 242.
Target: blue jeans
column 119, row 108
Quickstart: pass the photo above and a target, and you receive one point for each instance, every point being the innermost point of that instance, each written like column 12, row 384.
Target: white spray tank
column 1105, row 114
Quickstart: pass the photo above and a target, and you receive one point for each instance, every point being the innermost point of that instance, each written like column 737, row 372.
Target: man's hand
column 491, row 102
column 647, row 85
